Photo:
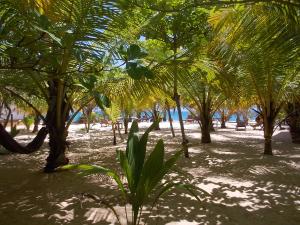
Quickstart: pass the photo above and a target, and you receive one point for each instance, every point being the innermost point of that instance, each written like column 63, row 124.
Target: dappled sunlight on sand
column 241, row 185
column 182, row 222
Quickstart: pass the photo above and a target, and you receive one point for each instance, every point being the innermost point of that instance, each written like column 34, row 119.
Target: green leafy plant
column 28, row 121
column 132, row 57
column 144, row 176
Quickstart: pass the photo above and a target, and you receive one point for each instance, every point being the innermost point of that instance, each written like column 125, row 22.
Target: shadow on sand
column 243, row 186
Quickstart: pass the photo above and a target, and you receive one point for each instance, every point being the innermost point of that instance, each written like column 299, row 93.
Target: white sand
column 243, row 186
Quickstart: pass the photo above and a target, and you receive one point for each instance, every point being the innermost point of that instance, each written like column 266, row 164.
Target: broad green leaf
column 165, row 169
column 93, row 169
column 125, row 167
column 133, row 130
column 133, row 160
column 144, row 140
column 152, row 167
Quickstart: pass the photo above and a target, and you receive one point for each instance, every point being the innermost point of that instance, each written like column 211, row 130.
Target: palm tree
column 55, row 44
column 202, row 92
column 176, row 35
column 263, row 43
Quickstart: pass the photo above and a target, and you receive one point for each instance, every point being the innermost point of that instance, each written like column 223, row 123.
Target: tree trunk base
column 51, row 166
column 268, row 147
column 223, row 125
column 115, row 140
column 295, row 135
column 185, row 148
column 205, row 134
column 205, row 140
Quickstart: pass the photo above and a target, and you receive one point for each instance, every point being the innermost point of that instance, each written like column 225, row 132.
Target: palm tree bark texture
column 56, row 123
column 205, row 119
column 293, row 120
column 269, row 113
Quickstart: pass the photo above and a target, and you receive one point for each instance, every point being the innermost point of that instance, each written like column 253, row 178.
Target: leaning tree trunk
column 170, row 119
column 156, row 117
column 184, row 139
column 176, row 98
column 9, row 143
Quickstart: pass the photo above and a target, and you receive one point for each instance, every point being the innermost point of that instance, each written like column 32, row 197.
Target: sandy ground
column 243, row 186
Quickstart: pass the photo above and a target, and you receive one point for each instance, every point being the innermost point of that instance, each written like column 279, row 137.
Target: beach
column 241, row 185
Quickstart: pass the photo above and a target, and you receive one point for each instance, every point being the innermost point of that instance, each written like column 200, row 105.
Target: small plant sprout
column 144, row 183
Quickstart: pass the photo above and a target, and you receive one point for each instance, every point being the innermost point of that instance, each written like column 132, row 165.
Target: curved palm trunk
column 56, row 118
column 170, row 119
column 9, row 143
column 184, row 139
column 156, row 116
column 176, row 98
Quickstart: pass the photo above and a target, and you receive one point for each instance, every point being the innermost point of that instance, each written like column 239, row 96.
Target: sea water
column 185, row 113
